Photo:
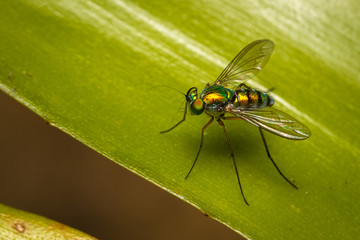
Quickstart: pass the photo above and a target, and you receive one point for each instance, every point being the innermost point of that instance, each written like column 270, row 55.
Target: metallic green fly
column 228, row 98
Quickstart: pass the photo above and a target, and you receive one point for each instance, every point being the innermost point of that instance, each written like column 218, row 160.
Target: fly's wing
column 246, row 64
column 274, row 121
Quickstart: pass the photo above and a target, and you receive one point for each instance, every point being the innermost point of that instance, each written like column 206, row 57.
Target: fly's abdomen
column 251, row 98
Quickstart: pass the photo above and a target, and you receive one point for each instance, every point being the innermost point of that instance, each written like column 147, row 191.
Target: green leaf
column 101, row 71
column 17, row 224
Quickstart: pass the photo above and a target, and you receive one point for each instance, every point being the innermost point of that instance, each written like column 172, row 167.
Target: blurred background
column 47, row 172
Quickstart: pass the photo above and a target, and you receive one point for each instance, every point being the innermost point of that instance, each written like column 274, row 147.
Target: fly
column 229, row 98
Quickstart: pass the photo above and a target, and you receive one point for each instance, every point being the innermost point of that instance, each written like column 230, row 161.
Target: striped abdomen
column 251, row 98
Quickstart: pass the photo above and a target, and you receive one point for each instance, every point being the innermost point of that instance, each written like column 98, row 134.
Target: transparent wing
column 246, row 64
column 274, row 121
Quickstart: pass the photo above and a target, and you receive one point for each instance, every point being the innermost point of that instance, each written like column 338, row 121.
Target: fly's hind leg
column 269, row 156
column 232, row 156
column 267, row 150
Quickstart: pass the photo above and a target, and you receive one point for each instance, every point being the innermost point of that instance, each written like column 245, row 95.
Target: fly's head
column 196, row 104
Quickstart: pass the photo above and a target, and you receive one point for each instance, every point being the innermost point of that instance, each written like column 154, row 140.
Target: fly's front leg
column 183, row 119
column 201, row 144
column 232, row 156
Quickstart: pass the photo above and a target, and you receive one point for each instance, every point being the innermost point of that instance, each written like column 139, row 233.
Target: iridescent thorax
column 215, row 98
column 216, row 94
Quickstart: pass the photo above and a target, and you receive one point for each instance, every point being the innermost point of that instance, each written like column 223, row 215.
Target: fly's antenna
column 172, row 89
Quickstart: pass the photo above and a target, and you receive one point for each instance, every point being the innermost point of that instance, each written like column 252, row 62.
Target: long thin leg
column 268, row 153
column 201, row 144
column 233, row 157
column 183, row 119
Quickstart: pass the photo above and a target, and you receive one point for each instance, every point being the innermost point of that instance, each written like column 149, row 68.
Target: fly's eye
column 197, row 106
column 192, row 94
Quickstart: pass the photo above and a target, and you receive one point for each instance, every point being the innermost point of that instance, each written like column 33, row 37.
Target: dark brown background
column 47, row 172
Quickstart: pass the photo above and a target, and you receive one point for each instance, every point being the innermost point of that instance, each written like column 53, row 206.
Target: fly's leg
column 201, row 144
column 232, row 156
column 183, row 119
column 269, row 156
column 267, row 150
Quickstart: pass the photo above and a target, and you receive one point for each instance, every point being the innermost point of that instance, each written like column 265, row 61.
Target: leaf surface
column 101, row 71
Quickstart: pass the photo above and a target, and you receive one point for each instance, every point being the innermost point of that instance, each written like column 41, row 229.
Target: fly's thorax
column 216, row 98
column 215, row 110
column 252, row 98
column 216, row 94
